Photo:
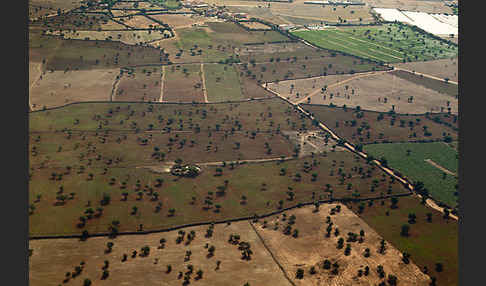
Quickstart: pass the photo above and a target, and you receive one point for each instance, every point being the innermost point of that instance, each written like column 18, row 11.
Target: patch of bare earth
column 384, row 92
column 444, row 68
column 311, row 248
column 59, row 88
column 140, row 84
column 52, row 258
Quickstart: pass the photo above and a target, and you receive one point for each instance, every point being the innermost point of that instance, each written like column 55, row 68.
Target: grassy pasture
column 390, row 43
column 440, row 187
column 428, row 243
column 354, row 125
column 222, row 83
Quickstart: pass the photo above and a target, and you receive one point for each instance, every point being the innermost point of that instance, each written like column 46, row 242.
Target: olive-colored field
column 60, row 88
column 179, row 21
column 255, row 25
column 51, row 259
column 312, row 247
column 413, row 164
column 390, row 43
column 363, row 127
column 126, row 37
column 183, row 83
column 428, row 243
column 381, row 91
column 222, row 83
column 436, row 85
column 444, row 68
column 140, row 84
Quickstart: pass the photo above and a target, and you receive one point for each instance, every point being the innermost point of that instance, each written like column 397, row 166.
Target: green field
column 428, row 243
column 414, row 166
column 222, row 83
column 390, row 43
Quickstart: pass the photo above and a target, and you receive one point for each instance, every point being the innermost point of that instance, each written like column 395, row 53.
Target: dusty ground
column 143, row 84
column 181, row 88
column 127, row 37
column 439, row 68
column 51, row 259
column 255, row 25
column 428, row 6
column 140, row 22
column 370, row 91
column 59, row 88
column 311, row 248
column 311, row 142
column 177, row 21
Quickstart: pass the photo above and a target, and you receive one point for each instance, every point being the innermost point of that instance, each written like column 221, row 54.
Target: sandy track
column 425, row 75
column 162, row 78
column 204, row 84
column 440, row 167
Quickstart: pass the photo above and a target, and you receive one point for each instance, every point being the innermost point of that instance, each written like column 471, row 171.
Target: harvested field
column 179, row 21
column 222, row 83
column 227, row 31
column 140, row 22
column 183, row 83
column 444, row 68
column 412, row 5
column 126, row 37
column 390, row 43
column 428, row 243
column 437, row 85
column 255, row 25
column 60, row 88
column 140, row 84
column 312, row 247
column 383, row 92
column 251, row 89
column 439, row 185
column 51, row 259
column 364, row 127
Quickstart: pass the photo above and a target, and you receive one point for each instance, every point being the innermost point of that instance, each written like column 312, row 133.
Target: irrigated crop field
column 390, row 43
column 364, row 127
column 439, row 176
column 428, row 243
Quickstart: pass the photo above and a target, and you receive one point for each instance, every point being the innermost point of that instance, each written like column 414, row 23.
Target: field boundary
column 255, row 216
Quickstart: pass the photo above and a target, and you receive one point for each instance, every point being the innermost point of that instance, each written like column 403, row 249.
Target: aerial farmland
column 242, row 142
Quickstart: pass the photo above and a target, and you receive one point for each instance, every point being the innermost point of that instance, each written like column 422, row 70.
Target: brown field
column 51, row 259
column 140, row 22
column 370, row 91
column 179, row 21
column 180, row 87
column 126, row 37
column 74, row 21
column 445, row 68
column 140, row 84
column 341, row 121
column 271, row 48
column 120, row 14
column 434, row 84
column 311, row 248
column 255, row 25
column 251, row 89
column 411, row 5
column 59, row 88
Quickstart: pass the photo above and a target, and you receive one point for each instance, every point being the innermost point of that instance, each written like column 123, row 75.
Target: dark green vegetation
column 440, row 185
column 428, row 243
column 364, row 127
column 389, row 43
column 439, row 86
column 222, row 83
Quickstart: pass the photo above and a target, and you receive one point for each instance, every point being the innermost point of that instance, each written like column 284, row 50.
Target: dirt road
column 440, row 167
column 425, row 75
column 204, row 84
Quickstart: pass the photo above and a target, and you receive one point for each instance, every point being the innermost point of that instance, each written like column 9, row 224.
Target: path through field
column 440, row 167
column 425, row 75
column 162, row 78
column 204, row 84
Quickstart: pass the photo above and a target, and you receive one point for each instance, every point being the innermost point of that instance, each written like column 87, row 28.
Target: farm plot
column 137, row 196
column 444, row 68
column 51, row 259
column 255, row 25
column 178, row 21
column 310, row 247
column 364, row 127
column 413, row 164
column 293, row 67
column 58, row 88
column 429, row 241
column 140, row 84
column 411, row 5
column 232, row 33
column 222, row 83
column 268, row 49
column 183, row 83
column 140, row 22
column 126, row 37
column 437, row 85
column 383, row 92
column 76, row 21
column 389, row 43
